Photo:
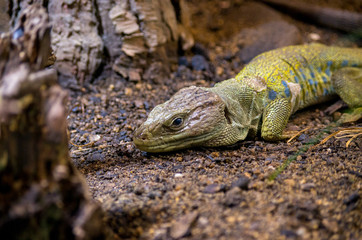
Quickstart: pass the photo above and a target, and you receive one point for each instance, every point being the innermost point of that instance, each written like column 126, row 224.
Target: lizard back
column 305, row 69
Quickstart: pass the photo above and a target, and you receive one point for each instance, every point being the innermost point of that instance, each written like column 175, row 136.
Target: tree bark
column 133, row 37
column 42, row 194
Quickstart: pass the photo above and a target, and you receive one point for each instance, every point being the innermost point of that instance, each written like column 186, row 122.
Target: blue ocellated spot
column 324, row 79
column 328, row 72
column 312, row 74
column 311, row 85
column 354, row 65
column 329, row 63
column 286, row 90
column 291, row 72
column 296, row 79
column 344, row 63
column 319, row 69
column 272, row 94
column 303, row 75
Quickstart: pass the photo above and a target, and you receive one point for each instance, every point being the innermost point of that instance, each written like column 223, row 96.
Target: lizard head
column 192, row 117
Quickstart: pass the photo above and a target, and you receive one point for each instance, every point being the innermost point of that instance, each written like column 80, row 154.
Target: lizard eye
column 177, row 122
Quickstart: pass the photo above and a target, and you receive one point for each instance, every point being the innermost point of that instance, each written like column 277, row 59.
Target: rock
column 242, row 183
column 182, row 61
column 308, row 186
column 354, row 197
column 289, row 233
column 139, row 190
column 199, row 63
column 134, row 75
column 96, row 157
column 331, row 225
column 128, row 91
column 267, row 37
column 154, row 194
column 219, row 71
column 184, row 72
column 233, row 197
column 138, row 103
column 290, row 182
column 181, row 227
column 352, row 201
column 157, row 72
column 212, row 188
column 304, row 138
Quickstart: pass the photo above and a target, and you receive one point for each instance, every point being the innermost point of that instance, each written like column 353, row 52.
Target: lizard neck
column 244, row 101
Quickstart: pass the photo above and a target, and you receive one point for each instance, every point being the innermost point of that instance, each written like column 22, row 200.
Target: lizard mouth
column 173, row 143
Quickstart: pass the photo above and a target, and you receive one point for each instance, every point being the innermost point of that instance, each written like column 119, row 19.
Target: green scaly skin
column 260, row 98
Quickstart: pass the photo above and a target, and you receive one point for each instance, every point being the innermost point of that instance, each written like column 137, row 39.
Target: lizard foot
column 353, row 116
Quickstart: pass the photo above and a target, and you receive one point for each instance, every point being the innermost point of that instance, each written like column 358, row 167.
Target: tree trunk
column 42, row 194
column 135, row 38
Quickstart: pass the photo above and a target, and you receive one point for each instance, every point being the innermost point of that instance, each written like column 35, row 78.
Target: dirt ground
column 217, row 193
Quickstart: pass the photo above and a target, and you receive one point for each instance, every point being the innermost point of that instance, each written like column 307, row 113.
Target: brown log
column 42, row 196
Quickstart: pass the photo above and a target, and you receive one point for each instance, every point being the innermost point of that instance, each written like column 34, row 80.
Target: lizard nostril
column 142, row 135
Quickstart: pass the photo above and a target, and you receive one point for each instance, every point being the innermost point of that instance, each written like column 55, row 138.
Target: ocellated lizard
column 261, row 97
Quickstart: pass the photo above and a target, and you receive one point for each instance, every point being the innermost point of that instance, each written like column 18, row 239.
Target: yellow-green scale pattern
column 310, row 66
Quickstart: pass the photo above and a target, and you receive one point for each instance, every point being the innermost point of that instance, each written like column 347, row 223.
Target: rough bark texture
column 42, row 194
column 75, row 39
column 146, row 30
column 4, row 17
column 141, row 37
column 134, row 37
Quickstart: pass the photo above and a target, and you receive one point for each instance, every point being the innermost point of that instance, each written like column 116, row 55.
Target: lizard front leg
column 348, row 84
column 275, row 119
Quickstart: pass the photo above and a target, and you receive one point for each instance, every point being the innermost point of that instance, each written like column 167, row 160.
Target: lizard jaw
column 171, row 143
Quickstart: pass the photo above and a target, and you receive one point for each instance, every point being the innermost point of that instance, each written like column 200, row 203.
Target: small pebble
column 134, row 76
column 242, row 183
column 199, row 63
column 128, row 91
column 181, row 227
column 308, row 186
column 182, row 61
column 96, row 157
column 212, row 188
column 178, row 175
column 314, row 36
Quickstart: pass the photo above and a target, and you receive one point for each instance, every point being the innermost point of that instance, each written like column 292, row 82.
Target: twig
column 297, row 134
